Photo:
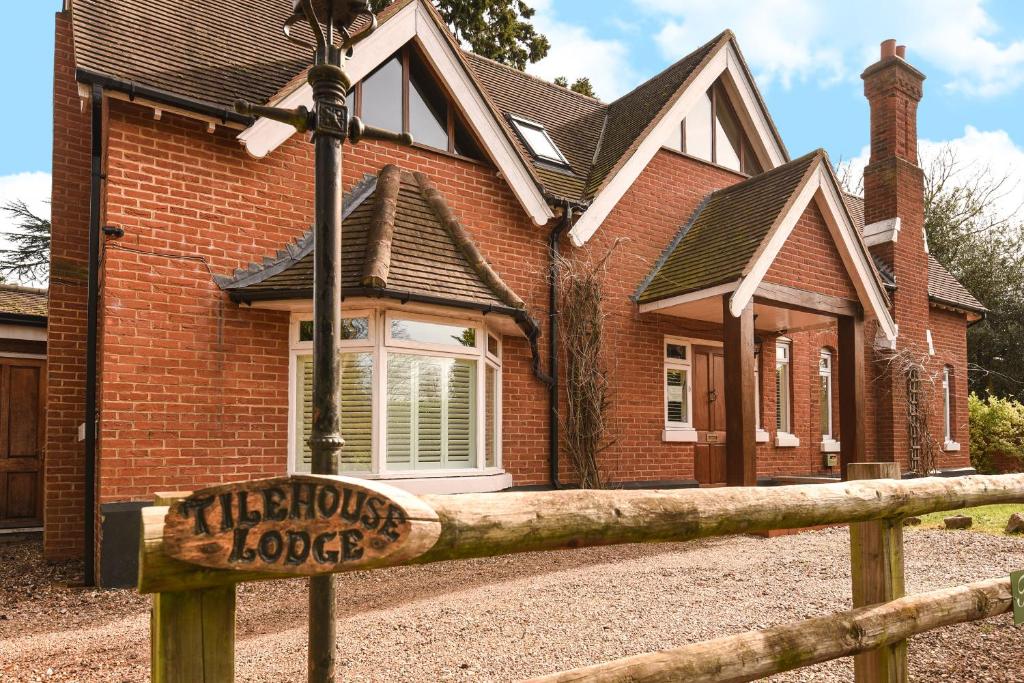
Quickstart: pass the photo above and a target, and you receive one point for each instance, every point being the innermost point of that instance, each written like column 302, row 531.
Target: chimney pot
column 901, row 51
column 888, row 48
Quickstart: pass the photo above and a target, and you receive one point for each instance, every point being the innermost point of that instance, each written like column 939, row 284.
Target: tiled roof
column 217, row 52
column 716, row 246
column 23, row 300
column 630, row 116
column 399, row 240
column 942, row 286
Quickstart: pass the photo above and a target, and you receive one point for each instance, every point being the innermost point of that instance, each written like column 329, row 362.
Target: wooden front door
column 709, row 415
column 22, row 404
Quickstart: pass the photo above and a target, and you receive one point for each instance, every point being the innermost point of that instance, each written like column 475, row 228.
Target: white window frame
column 760, row 434
column 518, row 122
column 679, row 430
column 784, row 435
column 829, row 444
column 379, row 344
column 947, row 411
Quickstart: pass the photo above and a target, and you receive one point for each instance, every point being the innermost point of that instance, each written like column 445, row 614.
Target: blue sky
column 807, row 56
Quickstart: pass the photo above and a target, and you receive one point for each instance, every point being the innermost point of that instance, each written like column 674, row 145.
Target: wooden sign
column 1017, row 596
column 303, row 524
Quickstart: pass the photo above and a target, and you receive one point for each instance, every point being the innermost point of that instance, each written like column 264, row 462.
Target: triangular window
column 712, row 131
column 403, row 94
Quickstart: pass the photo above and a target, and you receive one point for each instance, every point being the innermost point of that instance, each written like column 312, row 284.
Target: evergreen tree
column 28, row 259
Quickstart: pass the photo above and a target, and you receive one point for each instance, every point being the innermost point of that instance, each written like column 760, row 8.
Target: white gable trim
column 725, row 60
column 882, row 232
column 414, row 21
column 717, row 290
column 821, row 188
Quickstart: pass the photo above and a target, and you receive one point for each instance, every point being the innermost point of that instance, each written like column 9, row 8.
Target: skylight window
column 538, row 141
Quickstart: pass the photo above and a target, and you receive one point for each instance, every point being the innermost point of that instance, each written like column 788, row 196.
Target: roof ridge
column 725, row 33
column 10, row 287
column 544, row 81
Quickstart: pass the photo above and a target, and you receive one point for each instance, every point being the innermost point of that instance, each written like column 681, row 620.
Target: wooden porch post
column 740, row 446
column 851, row 392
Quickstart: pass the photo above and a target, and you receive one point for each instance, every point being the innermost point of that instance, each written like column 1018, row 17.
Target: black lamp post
column 336, row 25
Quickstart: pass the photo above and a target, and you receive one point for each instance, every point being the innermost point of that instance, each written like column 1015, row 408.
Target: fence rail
column 194, row 606
column 490, row 524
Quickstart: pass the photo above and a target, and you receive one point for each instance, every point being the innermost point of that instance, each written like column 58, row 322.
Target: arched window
column 825, row 395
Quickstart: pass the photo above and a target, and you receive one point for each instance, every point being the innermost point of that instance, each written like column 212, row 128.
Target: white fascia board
column 819, row 187
column 719, row 290
column 725, row 60
column 414, row 22
column 771, row 247
column 481, row 117
column 882, row 232
column 264, row 136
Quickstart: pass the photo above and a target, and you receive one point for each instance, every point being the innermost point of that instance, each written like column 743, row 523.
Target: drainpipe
column 95, row 199
column 553, row 255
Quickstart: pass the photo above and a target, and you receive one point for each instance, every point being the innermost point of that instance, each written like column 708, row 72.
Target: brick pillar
column 64, row 456
column 894, row 188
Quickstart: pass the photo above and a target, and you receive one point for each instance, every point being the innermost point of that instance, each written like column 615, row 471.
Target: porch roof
column 719, row 242
column 400, row 240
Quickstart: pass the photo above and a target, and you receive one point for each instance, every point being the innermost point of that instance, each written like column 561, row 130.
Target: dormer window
column 403, row 94
column 538, row 141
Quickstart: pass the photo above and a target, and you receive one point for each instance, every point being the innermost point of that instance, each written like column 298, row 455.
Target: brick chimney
column 894, row 186
column 894, row 230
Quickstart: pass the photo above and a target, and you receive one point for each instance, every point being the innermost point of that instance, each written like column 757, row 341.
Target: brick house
column 742, row 268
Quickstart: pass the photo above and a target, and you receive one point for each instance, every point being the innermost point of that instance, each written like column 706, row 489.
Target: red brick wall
column 194, row 387
column 949, row 335
column 810, row 260
column 64, row 454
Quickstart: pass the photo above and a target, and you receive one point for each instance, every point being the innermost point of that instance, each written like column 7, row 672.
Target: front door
column 22, row 402
column 709, row 415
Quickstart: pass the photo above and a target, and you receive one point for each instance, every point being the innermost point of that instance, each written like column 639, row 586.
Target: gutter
column 133, row 90
column 27, row 319
column 95, row 199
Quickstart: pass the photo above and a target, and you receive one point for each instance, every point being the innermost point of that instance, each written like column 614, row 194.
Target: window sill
column 679, row 435
column 829, row 446
column 441, row 481
column 786, row 440
column 951, row 447
column 761, row 436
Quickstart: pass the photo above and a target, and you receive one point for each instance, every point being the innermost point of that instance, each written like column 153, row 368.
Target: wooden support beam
column 492, row 524
column 876, row 557
column 193, row 636
column 852, row 379
column 759, row 654
column 803, row 300
column 740, row 419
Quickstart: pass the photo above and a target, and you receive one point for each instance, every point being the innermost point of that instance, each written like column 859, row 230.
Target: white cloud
column 803, row 40
column 32, row 188
column 976, row 151
column 575, row 52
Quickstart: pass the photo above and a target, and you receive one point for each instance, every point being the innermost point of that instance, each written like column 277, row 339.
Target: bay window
column 420, row 395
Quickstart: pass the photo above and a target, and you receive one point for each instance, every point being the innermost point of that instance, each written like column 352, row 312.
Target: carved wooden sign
column 303, row 524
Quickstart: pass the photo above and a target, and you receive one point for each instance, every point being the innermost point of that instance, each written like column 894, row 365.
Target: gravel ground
column 507, row 618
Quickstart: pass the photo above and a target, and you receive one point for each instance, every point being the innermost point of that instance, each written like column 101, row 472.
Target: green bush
column 997, row 427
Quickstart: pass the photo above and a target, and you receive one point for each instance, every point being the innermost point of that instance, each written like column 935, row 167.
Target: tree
column 496, row 29
column 29, row 258
column 981, row 242
column 582, row 85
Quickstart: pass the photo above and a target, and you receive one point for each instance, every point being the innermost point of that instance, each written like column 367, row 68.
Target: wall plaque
column 303, row 524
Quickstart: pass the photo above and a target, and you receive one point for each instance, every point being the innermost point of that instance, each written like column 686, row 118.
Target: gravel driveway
column 506, row 618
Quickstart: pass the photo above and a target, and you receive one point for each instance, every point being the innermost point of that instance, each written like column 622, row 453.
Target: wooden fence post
column 876, row 555
column 192, row 633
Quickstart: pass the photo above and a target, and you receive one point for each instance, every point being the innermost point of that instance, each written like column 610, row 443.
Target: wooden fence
column 194, row 606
